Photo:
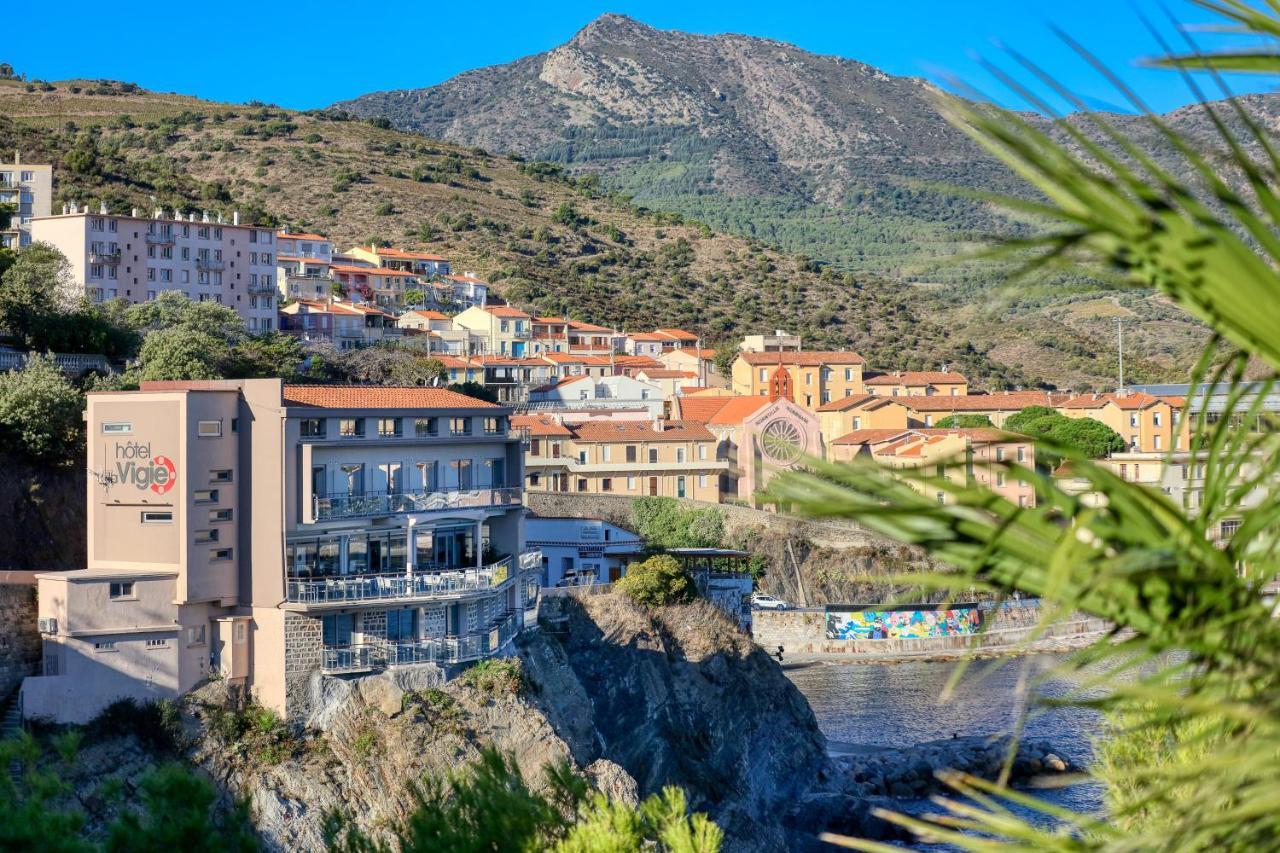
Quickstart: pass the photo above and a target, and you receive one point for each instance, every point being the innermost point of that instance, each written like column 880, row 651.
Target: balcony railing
column 262, row 288
column 209, row 264
column 402, row 585
column 160, row 239
column 348, row 506
column 104, row 257
column 361, row 657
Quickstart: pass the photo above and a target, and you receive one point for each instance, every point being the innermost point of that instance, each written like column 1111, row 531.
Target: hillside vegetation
column 819, row 155
column 548, row 242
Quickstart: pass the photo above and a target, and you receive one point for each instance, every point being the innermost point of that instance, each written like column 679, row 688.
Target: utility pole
column 1120, row 350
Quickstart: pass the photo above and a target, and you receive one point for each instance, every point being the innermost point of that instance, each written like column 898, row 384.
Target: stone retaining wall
column 617, row 509
column 20, row 644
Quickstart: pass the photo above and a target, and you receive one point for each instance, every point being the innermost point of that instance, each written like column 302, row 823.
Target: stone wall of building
column 20, row 644
column 303, row 645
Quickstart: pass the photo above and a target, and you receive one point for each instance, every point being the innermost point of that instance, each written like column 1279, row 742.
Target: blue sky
column 310, row 55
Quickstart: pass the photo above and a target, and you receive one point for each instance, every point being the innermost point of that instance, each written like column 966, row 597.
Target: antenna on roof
column 1120, row 351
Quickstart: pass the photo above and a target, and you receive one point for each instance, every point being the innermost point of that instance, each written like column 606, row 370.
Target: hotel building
column 135, row 258
column 28, row 190
column 278, row 535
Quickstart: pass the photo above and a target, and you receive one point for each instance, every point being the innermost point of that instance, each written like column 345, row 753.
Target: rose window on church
column 781, row 442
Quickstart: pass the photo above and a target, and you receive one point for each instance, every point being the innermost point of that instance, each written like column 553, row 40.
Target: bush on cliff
column 665, row 523
column 40, row 412
column 488, row 806
column 658, row 581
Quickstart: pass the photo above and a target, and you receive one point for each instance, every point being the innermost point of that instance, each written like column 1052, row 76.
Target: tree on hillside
column 665, row 523
column 726, row 355
column 963, row 422
column 34, row 291
column 181, row 353
column 658, row 582
column 1020, row 418
column 476, row 390
column 171, row 309
column 40, row 412
column 1091, row 437
column 384, row 364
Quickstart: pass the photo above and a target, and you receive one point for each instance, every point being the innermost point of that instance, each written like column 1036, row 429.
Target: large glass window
column 312, row 428
column 402, row 626
column 424, row 427
column 462, row 473
column 351, row 427
column 390, row 477
column 338, row 628
column 460, row 426
column 429, row 476
column 388, row 427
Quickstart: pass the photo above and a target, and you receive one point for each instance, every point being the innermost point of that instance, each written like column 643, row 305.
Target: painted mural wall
column 902, row 624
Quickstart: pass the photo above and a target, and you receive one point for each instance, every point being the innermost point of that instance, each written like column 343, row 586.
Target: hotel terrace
column 276, row 535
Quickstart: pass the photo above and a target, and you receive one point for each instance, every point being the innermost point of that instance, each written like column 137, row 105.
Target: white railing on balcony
column 370, row 503
column 401, row 585
column 362, row 657
column 159, row 238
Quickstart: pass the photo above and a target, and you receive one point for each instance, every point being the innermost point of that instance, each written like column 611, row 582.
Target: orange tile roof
column 856, row 401
column 292, row 258
column 648, row 336
column 701, row 409
column 678, row 334
column 506, row 311
column 803, row 358
column 738, row 409
column 540, row 425
column 925, row 377
column 426, row 315
column 640, row 431
column 578, row 326
column 1137, row 400
column 470, row 279
column 1012, row 401
column 870, row 436
column 637, row 361
column 287, row 235
column 379, row 397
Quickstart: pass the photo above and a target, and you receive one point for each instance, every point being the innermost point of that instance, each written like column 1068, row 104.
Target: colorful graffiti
column 900, row 624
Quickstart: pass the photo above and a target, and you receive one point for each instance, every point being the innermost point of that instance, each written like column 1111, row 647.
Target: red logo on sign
column 164, row 484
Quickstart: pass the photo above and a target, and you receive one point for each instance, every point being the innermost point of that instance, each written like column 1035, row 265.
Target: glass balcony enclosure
column 341, row 656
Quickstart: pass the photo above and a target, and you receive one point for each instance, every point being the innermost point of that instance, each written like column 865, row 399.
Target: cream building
column 860, row 411
column 302, row 263
column 280, row 535
column 135, row 258
column 27, row 188
column 1148, row 424
column 816, row 377
column 917, row 384
column 498, row 329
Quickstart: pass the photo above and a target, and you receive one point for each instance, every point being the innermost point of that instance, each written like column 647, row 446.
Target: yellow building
column 1147, row 424
column 633, row 458
column 928, row 411
column 860, row 411
column 816, row 377
column 917, row 384
column 498, row 329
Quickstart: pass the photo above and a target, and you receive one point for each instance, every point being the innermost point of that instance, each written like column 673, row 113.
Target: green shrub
column 496, row 677
column 658, row 581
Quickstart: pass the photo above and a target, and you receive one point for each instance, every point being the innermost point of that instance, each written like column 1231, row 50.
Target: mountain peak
column 611, row 26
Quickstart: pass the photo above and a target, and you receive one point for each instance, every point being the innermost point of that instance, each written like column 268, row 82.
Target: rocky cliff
column 635, row 699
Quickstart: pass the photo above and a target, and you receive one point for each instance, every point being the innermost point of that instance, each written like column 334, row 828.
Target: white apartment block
column 28, row 188
column 137, row 258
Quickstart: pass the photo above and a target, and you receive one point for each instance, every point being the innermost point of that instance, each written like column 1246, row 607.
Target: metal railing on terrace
column 360, row 657
column 423, row 583
column 372, row 503
column 159, row 239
